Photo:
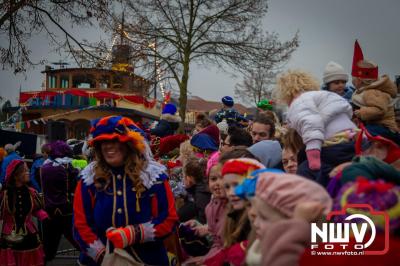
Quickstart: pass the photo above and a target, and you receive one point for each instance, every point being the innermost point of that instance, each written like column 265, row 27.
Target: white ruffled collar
column 148, row 176
column 58, row 161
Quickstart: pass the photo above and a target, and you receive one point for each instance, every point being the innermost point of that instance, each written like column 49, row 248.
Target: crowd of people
column 234, row 191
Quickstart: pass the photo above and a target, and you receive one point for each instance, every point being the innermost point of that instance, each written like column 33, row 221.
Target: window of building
column 52, row 81
column 64, row 82
column 83, row 81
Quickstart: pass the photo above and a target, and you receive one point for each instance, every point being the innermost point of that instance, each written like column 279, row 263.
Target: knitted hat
column 60, row 149
column 265, row 104
column 370, row 168
column 268, row 151
column 118, row 128
column 204, row 142
column 333, row 71
column 169, row 108
column 228, row 101
column 241, row 166
column 212, row 161
column 11, row 169
column 359, row 71
column 366, row 166
column 380, row 195
column 285, row 191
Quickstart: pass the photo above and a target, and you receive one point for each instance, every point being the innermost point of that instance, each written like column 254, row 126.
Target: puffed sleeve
column 84, row 225
column 163, row 209
column 38, row 209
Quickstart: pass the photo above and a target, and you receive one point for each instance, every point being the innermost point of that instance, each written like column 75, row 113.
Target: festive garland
column 27, row 123
column 100, row 95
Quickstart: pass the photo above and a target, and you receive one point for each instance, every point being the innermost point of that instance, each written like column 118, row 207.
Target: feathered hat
column 213, row 132
column 118, row 128
column 379, row 194
column 169, row 143
column 247, row 189
column 241, row 166
column 204, row 142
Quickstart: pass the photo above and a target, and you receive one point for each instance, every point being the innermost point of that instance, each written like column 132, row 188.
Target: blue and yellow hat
column 118, row 128
column 247, row 189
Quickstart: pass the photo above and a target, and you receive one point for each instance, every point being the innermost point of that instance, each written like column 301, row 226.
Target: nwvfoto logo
column 329, row 236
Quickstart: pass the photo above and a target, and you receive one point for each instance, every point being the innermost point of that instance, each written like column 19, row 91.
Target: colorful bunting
column 47, row 96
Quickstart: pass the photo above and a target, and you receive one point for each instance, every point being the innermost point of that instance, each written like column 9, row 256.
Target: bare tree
column 20, row 20
column 257, row 84
column 174, row 34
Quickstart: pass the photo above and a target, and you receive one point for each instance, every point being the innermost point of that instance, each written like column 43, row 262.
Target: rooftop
column 197, row 104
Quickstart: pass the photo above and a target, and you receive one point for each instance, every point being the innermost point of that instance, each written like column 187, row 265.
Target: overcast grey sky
column 327, row 28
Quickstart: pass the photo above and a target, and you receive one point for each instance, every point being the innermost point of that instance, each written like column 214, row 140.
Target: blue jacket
column 34, row 171
column 118, row 206
column 7, row 160
column 348, row 92
column 232, row 116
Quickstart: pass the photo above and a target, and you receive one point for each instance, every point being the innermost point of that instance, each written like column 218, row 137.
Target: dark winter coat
column 195, row 208
column 167, row 126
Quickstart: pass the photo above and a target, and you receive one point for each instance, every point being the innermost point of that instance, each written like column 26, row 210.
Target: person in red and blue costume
column 123, row 197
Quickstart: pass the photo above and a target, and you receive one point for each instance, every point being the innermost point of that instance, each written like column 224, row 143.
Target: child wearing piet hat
column 375, row 96
column 237, row 225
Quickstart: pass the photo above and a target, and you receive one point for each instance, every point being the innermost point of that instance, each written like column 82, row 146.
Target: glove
column 314, row 159
column 128, row 235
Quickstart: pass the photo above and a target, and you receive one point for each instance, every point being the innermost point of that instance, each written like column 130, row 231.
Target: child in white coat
column 322, row 119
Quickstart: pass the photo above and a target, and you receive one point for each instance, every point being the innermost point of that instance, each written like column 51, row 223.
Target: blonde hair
column 134, row 164
column 294, row 82
column 185, row 151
